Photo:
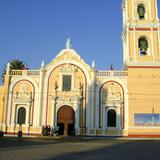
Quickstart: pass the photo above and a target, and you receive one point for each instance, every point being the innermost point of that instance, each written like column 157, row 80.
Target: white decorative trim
column 124, row 85
column 62, row 52
column 128, row 45
column 152, row 44
column 127, row 9
column 133, row 14
column 140, row 25
column 135, row 45
column 40, row 104
column 51, row 68
column 150, row 10
column 13, row 82
column 156, row 6
column 92, row 109
column 159, row 42
column 148, row 64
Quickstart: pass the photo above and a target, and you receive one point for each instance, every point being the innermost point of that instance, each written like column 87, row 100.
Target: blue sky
column 36, row 30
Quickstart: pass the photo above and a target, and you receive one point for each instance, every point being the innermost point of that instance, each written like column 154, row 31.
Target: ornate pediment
column 67, row 68
column 24, row 92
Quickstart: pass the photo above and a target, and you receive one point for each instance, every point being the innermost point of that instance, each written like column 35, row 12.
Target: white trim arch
column 88, row 79
column 124, row 86
column 36, row 109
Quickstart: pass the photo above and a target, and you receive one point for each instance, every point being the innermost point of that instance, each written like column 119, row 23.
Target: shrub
column 1, row 133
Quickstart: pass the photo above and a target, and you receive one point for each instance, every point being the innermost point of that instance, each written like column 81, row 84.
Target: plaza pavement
column 78, row 148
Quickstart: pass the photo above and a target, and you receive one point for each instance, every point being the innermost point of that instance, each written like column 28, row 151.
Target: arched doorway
column 111, row 118
column 65, row 120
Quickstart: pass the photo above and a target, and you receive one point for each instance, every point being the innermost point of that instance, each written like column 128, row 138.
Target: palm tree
column 15, row 64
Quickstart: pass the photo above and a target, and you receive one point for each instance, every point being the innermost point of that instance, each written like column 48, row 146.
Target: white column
column 10, row 94
column 77, row 119
column 159, row 41
column 127, row 9
column 28, row 115
column 92, row 115
column 118, row 117
column 135, row 46
column 156, row 7
column 14, row 114
column 124, row 47
column 40, row 96
column 128, row 45
column 54, row 121
column 150, row 11
column 133, row 7
column 14, row 117
column 152, row 43
column 126, row 113
column 88, row 107
column 104, row 118
column 97, row 109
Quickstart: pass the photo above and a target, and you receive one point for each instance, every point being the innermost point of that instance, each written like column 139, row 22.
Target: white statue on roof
column 68, row 44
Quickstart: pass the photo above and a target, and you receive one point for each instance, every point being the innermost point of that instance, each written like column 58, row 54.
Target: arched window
column 21, row 116
column 141, row 11
column 143, row 46
column 111, row 118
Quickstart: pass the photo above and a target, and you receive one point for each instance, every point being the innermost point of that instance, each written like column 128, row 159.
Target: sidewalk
column 70, row 138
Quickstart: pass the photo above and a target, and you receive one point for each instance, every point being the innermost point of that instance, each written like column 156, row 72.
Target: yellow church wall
column 131, row 42
column 153, row 9
column 156, row 46
column 144, row 95
column 130, row 6
column 5, row 90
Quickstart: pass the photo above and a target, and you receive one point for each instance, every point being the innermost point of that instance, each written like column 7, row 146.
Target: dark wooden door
column 66, row 116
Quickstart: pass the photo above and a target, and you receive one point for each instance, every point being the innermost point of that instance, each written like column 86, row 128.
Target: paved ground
column 75, row 148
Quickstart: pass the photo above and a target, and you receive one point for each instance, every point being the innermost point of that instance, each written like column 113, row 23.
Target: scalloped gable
column 68, row 55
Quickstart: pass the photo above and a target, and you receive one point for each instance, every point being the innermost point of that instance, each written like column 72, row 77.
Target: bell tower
column 141, row 32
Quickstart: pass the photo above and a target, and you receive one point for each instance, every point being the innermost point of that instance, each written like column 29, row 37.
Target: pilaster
column 93, row 73
column 41, row 94
column 6, row 94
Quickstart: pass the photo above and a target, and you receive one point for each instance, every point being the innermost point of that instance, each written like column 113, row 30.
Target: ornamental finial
column 93, row 64
column 42, row 64
column 8, row 66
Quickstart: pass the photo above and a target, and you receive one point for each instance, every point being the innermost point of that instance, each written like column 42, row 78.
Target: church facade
column 76, row 98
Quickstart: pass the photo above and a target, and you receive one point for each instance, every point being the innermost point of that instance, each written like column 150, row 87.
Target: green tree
column 15, row 64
